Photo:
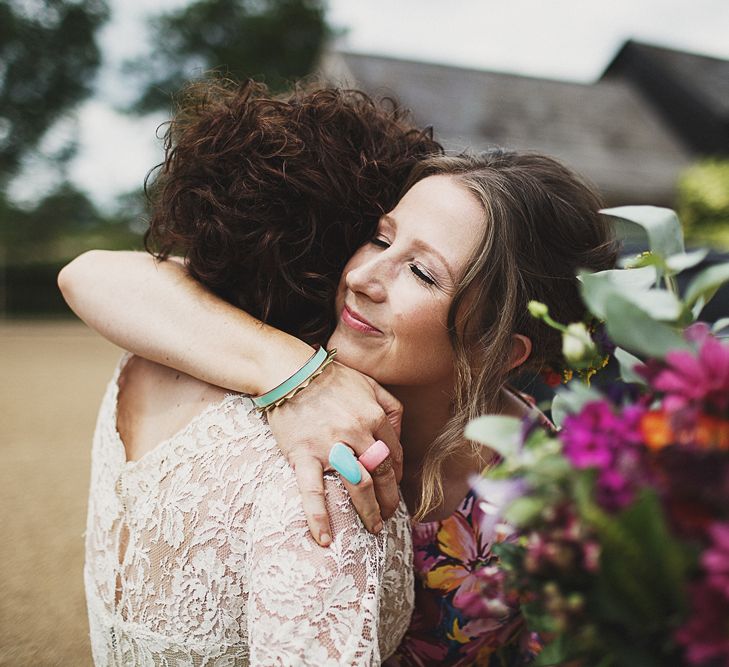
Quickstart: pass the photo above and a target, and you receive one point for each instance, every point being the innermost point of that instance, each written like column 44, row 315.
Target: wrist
column 281, row 357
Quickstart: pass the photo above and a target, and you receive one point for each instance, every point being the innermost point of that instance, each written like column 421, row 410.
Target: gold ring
column 384, row 467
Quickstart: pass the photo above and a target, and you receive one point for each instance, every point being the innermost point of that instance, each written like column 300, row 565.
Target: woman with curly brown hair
column 431, row 303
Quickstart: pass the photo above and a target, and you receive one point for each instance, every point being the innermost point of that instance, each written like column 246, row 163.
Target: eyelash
column 380, row 243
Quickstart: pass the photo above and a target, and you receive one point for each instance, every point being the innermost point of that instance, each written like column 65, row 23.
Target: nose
column 367, row 278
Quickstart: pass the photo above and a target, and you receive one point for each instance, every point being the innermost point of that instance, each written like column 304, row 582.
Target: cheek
column 421, row 336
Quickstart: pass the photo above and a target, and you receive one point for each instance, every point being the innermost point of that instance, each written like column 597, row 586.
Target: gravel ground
column 52, row 377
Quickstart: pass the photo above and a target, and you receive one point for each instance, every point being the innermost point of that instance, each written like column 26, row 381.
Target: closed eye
column 423, row 276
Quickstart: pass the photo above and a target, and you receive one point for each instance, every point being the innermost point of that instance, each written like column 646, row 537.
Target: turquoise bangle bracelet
column 303, row 374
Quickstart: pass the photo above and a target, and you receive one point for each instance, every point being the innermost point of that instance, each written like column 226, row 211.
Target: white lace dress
column 199, row 554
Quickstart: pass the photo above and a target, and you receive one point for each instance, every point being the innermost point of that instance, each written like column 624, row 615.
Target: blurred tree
column 64, row 224
column 703, row 202
column 48, row 58
column 271, row 40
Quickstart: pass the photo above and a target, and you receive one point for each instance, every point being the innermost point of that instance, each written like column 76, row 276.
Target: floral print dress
column 451, row 557
column 454, row 564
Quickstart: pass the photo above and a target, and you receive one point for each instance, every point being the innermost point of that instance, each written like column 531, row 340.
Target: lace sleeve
column 310, row 605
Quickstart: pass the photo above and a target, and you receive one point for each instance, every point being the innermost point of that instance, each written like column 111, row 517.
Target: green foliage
column 61, row 226
column 49, row 58
column 661, row 224
column 498, row 432
column 703, row 201
column 276, row 41
column 643, row 310
column 35, row 243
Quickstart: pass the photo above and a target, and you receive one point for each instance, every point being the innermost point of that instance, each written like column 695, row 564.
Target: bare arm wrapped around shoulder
column 158, row 311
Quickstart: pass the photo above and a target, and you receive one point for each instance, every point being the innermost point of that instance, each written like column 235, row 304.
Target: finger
column 386, row 489
column 365, row 502
column 385, row 432
column 310, row 478
column 390, row 436
column 378, row 461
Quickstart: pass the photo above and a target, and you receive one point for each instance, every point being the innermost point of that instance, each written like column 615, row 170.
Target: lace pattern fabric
column 198, row 554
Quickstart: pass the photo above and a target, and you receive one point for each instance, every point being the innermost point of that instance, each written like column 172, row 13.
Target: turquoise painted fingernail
column 341, row 458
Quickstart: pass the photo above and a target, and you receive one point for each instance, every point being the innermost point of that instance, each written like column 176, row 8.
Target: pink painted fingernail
column 324, row 539
column 378, row 527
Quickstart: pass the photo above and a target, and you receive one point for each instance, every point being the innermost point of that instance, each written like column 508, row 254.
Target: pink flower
column 693, row 379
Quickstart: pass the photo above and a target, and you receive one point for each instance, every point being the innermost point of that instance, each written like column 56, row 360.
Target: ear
column 521, row 348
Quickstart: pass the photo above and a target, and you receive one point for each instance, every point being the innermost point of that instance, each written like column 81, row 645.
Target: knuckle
column 366, row 485
column 313, row 491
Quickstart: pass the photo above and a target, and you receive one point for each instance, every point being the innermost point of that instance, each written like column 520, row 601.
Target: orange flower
column 656, row 430
column 712, row 432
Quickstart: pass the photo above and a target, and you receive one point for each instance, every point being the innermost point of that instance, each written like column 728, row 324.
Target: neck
column 426, row 410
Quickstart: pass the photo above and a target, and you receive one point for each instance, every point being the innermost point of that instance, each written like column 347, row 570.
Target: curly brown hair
column 267, row 197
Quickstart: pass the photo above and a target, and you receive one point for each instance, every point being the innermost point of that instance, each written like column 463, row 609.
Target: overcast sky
column 561, row 39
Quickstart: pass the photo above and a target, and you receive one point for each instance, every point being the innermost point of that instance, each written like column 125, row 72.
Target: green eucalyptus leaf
column 627, row 363
column 642, row 260
column 552, row 468
column 665, row 237
column 707, row 283
column 660, row 304
column 522, row 511
column 723, row 323
column 598, row 288
column 498, row 432
column 631, row 328
column 641, row 277
column 696, row 309
column 686, row 260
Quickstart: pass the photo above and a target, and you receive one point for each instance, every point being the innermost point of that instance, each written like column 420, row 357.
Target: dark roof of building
column 690, row 91
column 606, row 131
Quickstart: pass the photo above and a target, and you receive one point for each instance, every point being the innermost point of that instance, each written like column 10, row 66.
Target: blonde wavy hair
column 542, row 227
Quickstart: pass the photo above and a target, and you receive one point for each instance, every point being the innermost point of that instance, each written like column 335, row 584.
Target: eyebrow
column 424, row 246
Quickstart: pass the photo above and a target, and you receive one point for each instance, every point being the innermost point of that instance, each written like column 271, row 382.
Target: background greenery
column 49, row 56
column 703, row 202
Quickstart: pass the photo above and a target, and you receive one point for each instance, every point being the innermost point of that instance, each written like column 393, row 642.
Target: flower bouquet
column 616, row 526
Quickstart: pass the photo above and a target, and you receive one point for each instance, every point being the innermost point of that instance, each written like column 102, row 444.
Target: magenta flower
column 693, row 379
column 598, row 437
column 589, row 436
column 716, row 559
column 593, row 436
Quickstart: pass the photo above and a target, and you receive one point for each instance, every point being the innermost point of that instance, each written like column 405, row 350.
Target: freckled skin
column 381, row 284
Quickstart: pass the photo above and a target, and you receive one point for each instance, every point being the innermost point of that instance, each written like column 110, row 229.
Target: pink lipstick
column 357, row 322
